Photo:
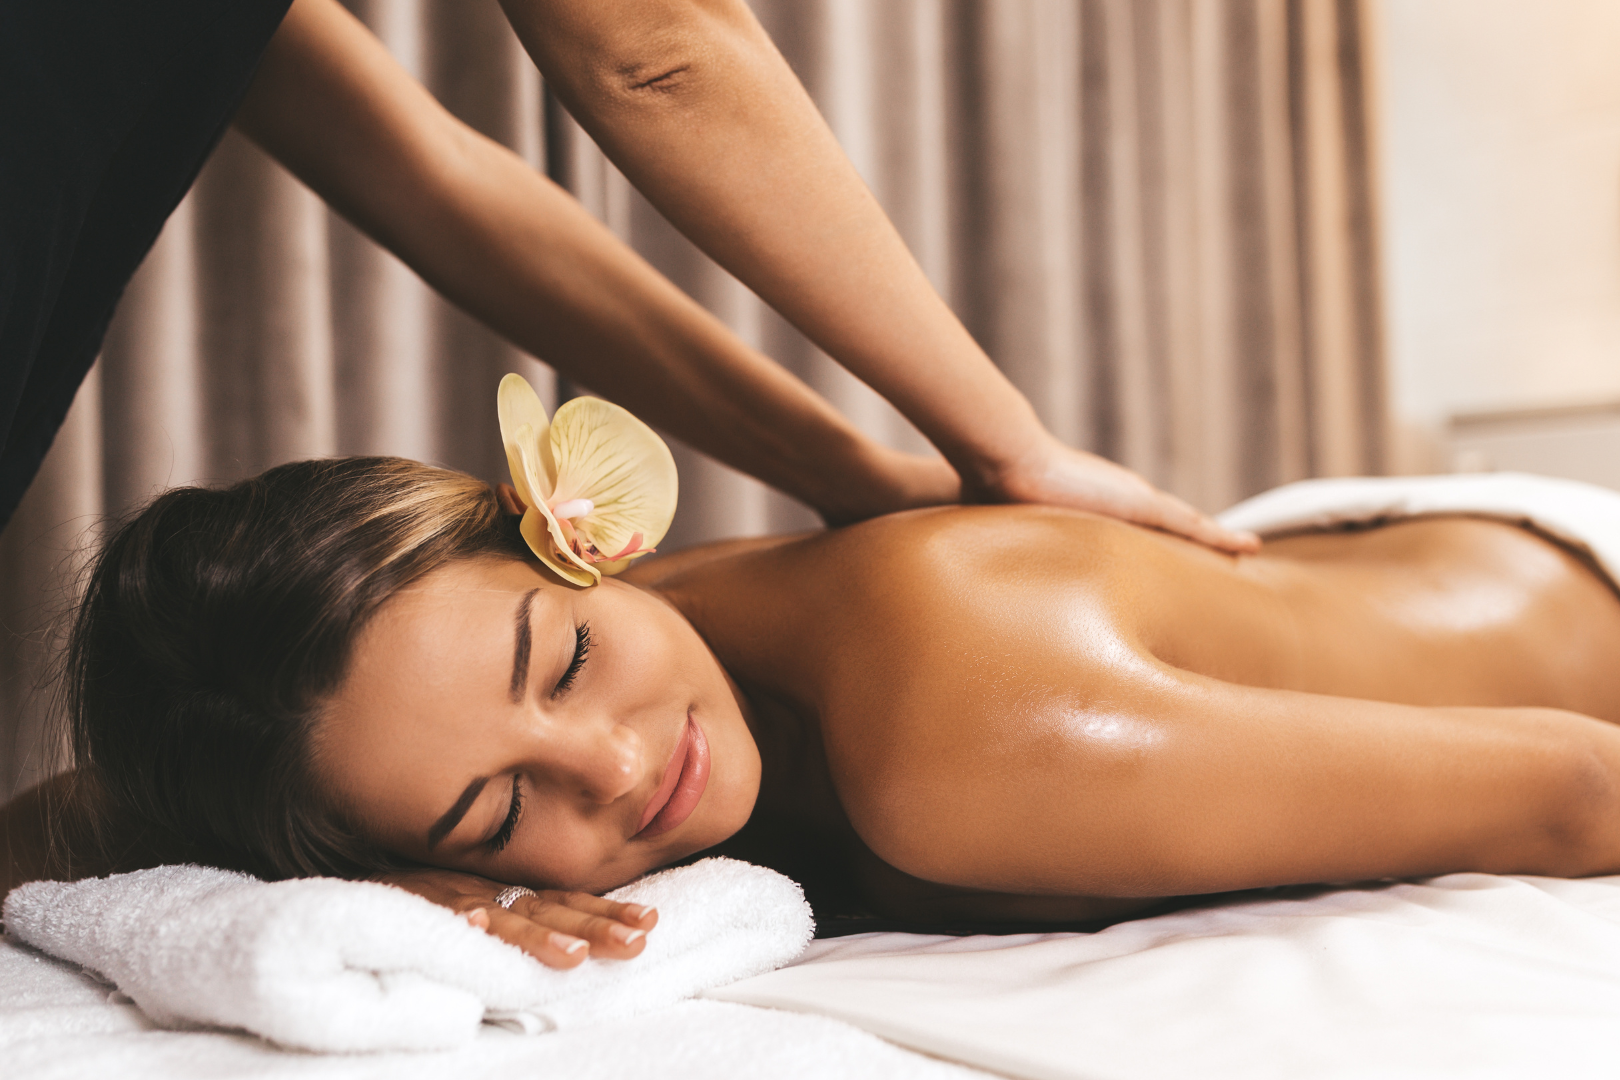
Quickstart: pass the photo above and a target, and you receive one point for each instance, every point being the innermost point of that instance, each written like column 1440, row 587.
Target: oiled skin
column 1026, row 712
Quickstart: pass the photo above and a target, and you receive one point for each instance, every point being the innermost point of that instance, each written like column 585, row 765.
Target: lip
column 682, row 787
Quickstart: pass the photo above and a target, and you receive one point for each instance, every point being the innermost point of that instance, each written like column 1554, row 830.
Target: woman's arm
column 693, row 102
column 1166, row 783
column 522, row 255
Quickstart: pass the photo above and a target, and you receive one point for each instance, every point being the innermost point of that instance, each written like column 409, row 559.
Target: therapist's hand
column 560, row 929
column 1062, row 476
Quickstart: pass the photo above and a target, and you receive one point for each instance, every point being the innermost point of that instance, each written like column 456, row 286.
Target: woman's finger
column 608, row 937
column 632, row 915
column 547, row 944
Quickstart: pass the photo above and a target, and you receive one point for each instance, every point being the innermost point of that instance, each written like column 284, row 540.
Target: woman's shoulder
column 651, row 573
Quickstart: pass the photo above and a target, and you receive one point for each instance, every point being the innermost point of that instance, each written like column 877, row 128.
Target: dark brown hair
column 214, row 625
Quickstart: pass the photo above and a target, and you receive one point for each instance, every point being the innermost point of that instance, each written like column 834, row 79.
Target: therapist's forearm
column 696, row 106
column 523, row 256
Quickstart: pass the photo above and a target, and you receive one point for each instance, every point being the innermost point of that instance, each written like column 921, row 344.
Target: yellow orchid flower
column 598, row 484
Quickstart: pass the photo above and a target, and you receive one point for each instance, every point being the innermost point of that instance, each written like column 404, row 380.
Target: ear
column 508, row 496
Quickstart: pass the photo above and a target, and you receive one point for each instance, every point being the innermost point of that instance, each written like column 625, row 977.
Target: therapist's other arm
column 521, row 254
column 693, row 102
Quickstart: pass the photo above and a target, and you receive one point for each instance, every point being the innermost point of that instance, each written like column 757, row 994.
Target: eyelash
column 503, row 835
column 582, row 649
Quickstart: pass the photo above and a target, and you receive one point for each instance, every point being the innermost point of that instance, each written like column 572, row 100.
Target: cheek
column 647, row 653
column 565, row 855
column 577, row 860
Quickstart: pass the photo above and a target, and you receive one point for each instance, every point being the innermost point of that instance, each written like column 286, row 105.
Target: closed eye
column 503, row 835
column 582, row 649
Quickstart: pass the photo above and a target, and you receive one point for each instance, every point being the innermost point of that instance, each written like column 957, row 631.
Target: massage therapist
column 109, row 108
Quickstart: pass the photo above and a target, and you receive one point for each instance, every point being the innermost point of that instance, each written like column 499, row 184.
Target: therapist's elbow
column 674, row 56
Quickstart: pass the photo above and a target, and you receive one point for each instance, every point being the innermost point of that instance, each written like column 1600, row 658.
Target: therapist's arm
column 695, row 105
column 521, row 254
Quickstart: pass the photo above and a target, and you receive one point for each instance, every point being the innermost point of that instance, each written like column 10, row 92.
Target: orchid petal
column 559, row 553
column 544, row 538
column 598, row 484
column 523, row 423
column 604, row 454
column 540, row 527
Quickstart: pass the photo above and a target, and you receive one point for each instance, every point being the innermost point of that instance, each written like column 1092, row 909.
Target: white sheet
column 1468, row 975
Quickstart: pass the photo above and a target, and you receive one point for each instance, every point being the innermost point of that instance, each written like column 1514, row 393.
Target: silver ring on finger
column 509, row 895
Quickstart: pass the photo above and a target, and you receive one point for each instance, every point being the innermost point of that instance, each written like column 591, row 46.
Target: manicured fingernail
column 569, row 945
column 636, row 911
column 624, row 935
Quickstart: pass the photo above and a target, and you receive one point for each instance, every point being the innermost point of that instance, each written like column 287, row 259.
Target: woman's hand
column 560, row 929
column 1061, row 476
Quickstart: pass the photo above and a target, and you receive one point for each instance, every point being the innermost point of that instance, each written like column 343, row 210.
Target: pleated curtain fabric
column 1156, row 215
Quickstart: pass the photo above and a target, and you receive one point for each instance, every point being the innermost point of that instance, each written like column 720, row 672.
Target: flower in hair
column 597, row 484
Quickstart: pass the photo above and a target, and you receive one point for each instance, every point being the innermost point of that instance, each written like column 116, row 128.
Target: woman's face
column 601, row 708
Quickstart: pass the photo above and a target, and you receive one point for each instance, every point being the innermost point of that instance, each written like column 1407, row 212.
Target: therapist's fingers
column 1062, row 476
column 1175, row 516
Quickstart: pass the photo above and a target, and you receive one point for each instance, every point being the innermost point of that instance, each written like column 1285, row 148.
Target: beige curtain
column 1157, row 216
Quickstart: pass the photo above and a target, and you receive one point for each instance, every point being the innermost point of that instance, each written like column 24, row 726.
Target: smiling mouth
column 684, row 780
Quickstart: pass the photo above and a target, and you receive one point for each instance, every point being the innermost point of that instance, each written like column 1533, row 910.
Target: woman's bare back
column 952, row 690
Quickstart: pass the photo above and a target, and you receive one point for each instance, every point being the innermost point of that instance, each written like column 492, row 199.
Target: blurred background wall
column 1501, row 188
column 1158, row 216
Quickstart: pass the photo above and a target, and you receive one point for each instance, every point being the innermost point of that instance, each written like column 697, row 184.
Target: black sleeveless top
column 108, row 109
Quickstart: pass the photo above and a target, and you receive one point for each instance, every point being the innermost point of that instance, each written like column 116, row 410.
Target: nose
column 601, row 759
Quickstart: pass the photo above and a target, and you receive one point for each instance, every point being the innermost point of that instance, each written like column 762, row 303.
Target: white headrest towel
column 324, row 964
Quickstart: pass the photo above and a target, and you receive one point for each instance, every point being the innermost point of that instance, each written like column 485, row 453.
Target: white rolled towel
column 1585, row 516
column 324, row 964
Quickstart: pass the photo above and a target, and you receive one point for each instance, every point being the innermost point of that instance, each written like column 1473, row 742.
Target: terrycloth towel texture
column 1584, row 516
column 323, row 964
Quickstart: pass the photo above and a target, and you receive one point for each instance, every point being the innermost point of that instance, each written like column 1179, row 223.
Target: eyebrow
column 452, row 817
column 520, row 648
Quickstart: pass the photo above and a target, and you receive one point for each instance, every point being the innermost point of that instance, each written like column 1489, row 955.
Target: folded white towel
column 323, row 964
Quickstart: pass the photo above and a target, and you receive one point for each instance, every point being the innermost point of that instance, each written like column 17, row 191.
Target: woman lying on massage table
column 995, row 713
